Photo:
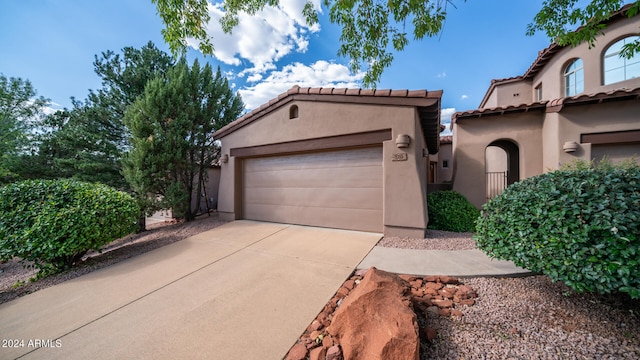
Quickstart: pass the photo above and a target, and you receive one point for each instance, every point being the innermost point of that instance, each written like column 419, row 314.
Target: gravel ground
column 435, row 240
column 14, row 278
column 533, row 318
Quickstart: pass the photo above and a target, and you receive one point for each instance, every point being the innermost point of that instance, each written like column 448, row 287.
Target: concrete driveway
column 245, row 290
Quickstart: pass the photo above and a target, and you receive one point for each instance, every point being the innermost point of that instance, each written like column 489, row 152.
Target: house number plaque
column 399, row 157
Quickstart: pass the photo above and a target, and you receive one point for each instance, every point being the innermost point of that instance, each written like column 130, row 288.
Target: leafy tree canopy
column 372, row 28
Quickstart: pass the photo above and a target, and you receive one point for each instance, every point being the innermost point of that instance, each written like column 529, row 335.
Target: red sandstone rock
column 455, row 312
column 342, row 292
column 444, row 312
column 314, row 335
column 449, row 280
column 408, row 278
column 333, row 353
column 447, row 292
column 376, row 321
column 464, row 292
column 315, row 325
column 297, row 352
column 349, row 284
column 432, row 278
column 468, row 302
column 318, row 353
column 433, row 285
column 442, row 303
column 327, row 342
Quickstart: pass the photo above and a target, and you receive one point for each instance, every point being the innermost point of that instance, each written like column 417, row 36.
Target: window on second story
column 574, row 78
column 618, row 68
column 539, row 92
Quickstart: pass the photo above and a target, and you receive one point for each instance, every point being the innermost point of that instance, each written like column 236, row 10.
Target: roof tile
column 382, row 92
column 416, row 93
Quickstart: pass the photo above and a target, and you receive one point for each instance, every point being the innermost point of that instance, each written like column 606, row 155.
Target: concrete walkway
column 245, row 290
column 439, row 262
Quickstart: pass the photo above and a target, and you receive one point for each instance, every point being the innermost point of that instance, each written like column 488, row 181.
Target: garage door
column 337, row 189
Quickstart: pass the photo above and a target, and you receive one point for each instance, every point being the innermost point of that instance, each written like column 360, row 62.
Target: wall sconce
column 403, row 141
column 570, row 146
column 224, row 158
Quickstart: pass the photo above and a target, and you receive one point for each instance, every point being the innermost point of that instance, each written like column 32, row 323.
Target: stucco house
column 572, row 103
column 341, row 158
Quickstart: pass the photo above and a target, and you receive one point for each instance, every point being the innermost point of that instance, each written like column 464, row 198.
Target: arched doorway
column 502, row 166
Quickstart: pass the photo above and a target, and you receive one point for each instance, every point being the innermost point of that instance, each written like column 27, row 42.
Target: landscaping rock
column 334, row 353
column 318, row 353
column 297, row 352
column 377, row 320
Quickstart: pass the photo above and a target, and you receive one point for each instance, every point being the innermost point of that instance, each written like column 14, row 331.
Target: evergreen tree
column 20, row 113
column 172, row 125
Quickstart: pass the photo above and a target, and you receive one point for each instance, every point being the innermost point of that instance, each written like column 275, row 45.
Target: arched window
column 574, row 78
column 293, row 112
column 618, row 68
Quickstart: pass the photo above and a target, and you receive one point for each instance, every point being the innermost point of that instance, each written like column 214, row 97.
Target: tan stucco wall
column 445, row 154
column 552, row 75
column 574, row 121
column 472, row 137
column 405, row 212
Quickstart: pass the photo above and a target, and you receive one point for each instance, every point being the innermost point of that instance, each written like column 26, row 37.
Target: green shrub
column 53, row 223
column 451, row 211
column 579, row 225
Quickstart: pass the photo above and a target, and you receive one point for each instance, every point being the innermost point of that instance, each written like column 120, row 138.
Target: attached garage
column 339, row 158
column 336, row 189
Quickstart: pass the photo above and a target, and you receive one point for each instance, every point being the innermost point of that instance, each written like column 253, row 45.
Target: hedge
column 579, row 225
column 53, row 223
column 451, row 211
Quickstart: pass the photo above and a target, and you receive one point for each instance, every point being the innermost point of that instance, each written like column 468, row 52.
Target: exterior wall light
column 224, row 158
column 403, row 141
column 570, row 146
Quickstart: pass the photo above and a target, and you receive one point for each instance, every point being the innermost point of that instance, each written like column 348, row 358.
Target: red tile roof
column 555, row 105
column 427, row 102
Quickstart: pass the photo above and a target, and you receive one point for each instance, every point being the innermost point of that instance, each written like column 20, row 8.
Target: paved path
column 439, row 262
column 245, row 290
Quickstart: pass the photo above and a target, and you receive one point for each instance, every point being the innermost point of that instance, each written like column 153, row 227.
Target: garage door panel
column 353, row 219
column 321, row 160
column 367, row 198
column 363, row 176
column 341, row 189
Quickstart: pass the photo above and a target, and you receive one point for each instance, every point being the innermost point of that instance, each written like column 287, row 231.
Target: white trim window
column 574, row 78
column 617, row 68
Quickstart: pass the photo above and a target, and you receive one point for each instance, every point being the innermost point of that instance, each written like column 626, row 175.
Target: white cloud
column 445, row 119
column 319, row 74
column 464, row 97
column 262, row 39
column 442, row 75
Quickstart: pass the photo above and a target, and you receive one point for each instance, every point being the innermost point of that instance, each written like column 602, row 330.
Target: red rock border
column 441, row 295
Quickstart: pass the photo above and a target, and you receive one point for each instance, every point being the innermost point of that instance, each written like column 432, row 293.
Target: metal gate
column 496, row 183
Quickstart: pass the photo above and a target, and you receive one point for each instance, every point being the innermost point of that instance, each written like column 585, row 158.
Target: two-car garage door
column 338, row 189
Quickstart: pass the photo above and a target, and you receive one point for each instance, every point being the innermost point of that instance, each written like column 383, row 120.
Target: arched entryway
column 502, row 166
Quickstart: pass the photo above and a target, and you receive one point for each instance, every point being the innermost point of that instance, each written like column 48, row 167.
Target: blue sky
column 53, row 42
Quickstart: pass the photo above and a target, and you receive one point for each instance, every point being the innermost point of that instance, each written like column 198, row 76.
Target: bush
column 53, row 223
column 451, row 211
column 579, row 225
